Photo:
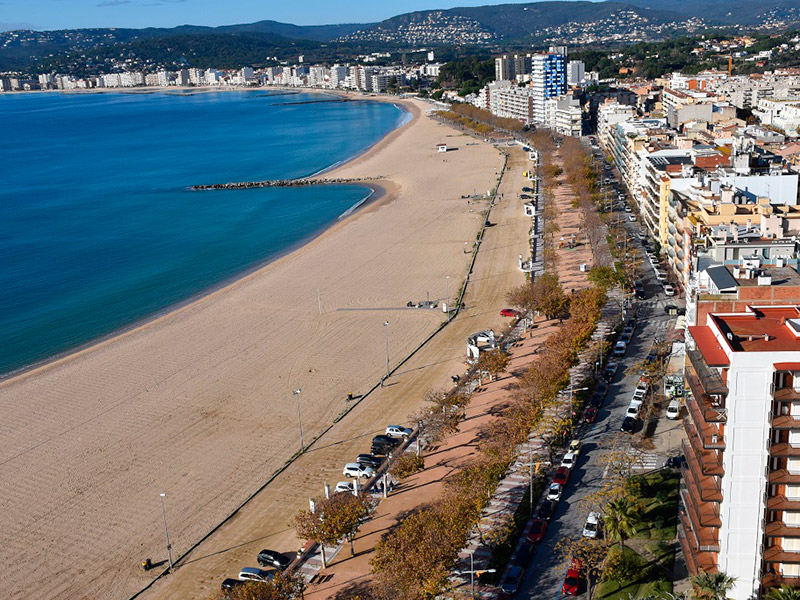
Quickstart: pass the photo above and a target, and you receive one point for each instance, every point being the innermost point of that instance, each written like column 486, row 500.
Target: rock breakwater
column 303, row 181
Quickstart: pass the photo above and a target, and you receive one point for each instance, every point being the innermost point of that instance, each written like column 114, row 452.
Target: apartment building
column 513, row 102
column 548, row 80
column 608, row 115
column 564, row 115
column 740, row 491
column 513, row 67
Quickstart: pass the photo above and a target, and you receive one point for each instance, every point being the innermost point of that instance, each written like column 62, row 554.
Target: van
column 620, row 348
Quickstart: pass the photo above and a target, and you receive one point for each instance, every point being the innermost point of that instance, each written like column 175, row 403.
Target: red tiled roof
column 709, row 346
column 787, row 366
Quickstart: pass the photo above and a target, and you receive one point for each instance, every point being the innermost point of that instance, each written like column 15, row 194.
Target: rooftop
column 761, row 329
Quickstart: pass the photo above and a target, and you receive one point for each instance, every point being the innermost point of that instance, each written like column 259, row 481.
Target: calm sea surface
column 98, row 230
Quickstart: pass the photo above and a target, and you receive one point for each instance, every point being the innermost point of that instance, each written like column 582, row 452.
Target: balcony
column 777, row 555
column 700, row 540
column 781, row 529
column 783, row 503
column 696, row 561
column 707, row 462
column 708, row 434
column 786, row 422
column 701, row 514
column 708, row 408
column 784, row 449
column 787, row 394
column 710, row 379
column 783, row 476
column 704, row 488
column 775, row 580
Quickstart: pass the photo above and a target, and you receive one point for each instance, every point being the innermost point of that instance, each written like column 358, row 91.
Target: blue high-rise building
column 548, row 80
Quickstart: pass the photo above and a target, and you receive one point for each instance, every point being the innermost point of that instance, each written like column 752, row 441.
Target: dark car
column 545, row 511
column 596, row 400
column 675, row 462
column 601, row 388
column 671, row 309
column 510, row 584
column 270, row 558
column 651, row 356
column 561, row 476
column 524, row 555
column 590, row 415
column 524, row 197
column 368, row 460
column 628, row 425
column 229, row 584
column 386, row 440
column 537, row 531
column 640, row 295
column 572, row 581
column 610, row 371
column 527, row 189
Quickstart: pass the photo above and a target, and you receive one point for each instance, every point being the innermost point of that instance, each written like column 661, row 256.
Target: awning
column 708, row 345
column 787, row 366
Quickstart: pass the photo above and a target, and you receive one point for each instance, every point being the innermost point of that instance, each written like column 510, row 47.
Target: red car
column 590, row 415
column 572, row 581
column 538, row 529
column 562, row 475
column 508, row 312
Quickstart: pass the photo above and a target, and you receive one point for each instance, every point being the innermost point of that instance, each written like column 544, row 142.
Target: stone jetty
column 303, row 181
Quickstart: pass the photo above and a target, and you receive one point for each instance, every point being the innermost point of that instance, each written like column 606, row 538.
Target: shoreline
column 377, row 192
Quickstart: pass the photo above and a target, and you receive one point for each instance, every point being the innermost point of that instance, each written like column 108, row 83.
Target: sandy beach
column 198, row 403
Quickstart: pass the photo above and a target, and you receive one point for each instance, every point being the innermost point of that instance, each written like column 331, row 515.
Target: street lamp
column 386, row 329
column 166, row 531
column 466, row 261
column 296, row 394
column 447, row 289
column 571, row 398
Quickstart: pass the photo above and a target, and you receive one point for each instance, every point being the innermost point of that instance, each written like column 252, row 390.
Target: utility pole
column 166, row 531
column 296, row 394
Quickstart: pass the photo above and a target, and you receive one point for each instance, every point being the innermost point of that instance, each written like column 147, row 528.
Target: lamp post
column 571, row 398
column 296, row 394
column 466, row 262
column 166, row 531
column 386, row 329
column 447, row 290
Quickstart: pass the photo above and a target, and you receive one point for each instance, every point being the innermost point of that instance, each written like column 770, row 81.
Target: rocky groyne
column 304, row 181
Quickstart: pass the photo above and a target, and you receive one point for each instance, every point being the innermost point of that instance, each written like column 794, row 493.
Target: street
column 546, row 573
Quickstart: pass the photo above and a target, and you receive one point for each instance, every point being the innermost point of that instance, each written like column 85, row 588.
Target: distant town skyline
column 75, row 14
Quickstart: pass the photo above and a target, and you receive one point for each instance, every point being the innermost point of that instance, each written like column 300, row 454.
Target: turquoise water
column 98, row 229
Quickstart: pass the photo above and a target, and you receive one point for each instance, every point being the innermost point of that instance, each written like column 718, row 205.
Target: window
column 791, row 518
column 793, row 466
column 793, row 491
column 794, row 437
column 796, row 407
column 790, row 570
column 791, row 544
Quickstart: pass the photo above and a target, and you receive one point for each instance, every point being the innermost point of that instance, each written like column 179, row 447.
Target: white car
column 554, row 492
column 632, row 218
column 569, row 460
column 395, row 431
column 669, row 290
column 633, row 409
column 661, row 275
column 254, row 574
column 344, row 486
column 620, row 348
column 640, row 391
column 592, row 527
column 674, row 409
column 357, row 470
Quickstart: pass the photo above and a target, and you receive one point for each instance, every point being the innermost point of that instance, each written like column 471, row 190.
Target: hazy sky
column 69, row 14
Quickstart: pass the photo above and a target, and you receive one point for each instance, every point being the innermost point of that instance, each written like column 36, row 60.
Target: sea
column 99, row 229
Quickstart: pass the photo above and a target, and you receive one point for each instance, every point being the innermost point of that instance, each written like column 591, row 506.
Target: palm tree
column 621, row 518
column 712, row 586
column 784, row 592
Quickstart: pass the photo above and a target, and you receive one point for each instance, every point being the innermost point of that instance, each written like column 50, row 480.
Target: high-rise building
column 741, row 482
column 511, row 67
column 548, row 80
column 576, row 71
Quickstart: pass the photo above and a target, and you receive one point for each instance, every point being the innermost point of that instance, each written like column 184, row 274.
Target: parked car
column 524, row 555
column 561, row 476
column 625, row 338
column 674, row 409
column 640, row 391
column 596, row 400
column 575, row 447
column 357, row 470
column 569, row 460
column 508, row 312
column 610, row 371
column 601, row 387
column 669, row 290
column 545, row 511
column 627, row 208
column 572, row 581
column 671, row 309
column 675, row 462
column 592, row 526
column 590, row 414
column 632, row 218
column 620, row 348
column 385, row 439
column 510, row 583
column 628, row 425
column 661, row 275
column 270, row 558
column 554, row 492
column 537, row 531
column 397, row 432
column 343, row 486
column 633, row 409
column 254, row 574
column 369, row 460
column 230, row 584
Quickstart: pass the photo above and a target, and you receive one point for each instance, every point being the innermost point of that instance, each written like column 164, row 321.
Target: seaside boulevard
column 198, row 404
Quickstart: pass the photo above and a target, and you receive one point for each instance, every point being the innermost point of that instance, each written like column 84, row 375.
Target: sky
column 72, row 14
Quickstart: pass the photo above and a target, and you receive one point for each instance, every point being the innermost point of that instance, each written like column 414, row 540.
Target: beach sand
column 199, row 403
